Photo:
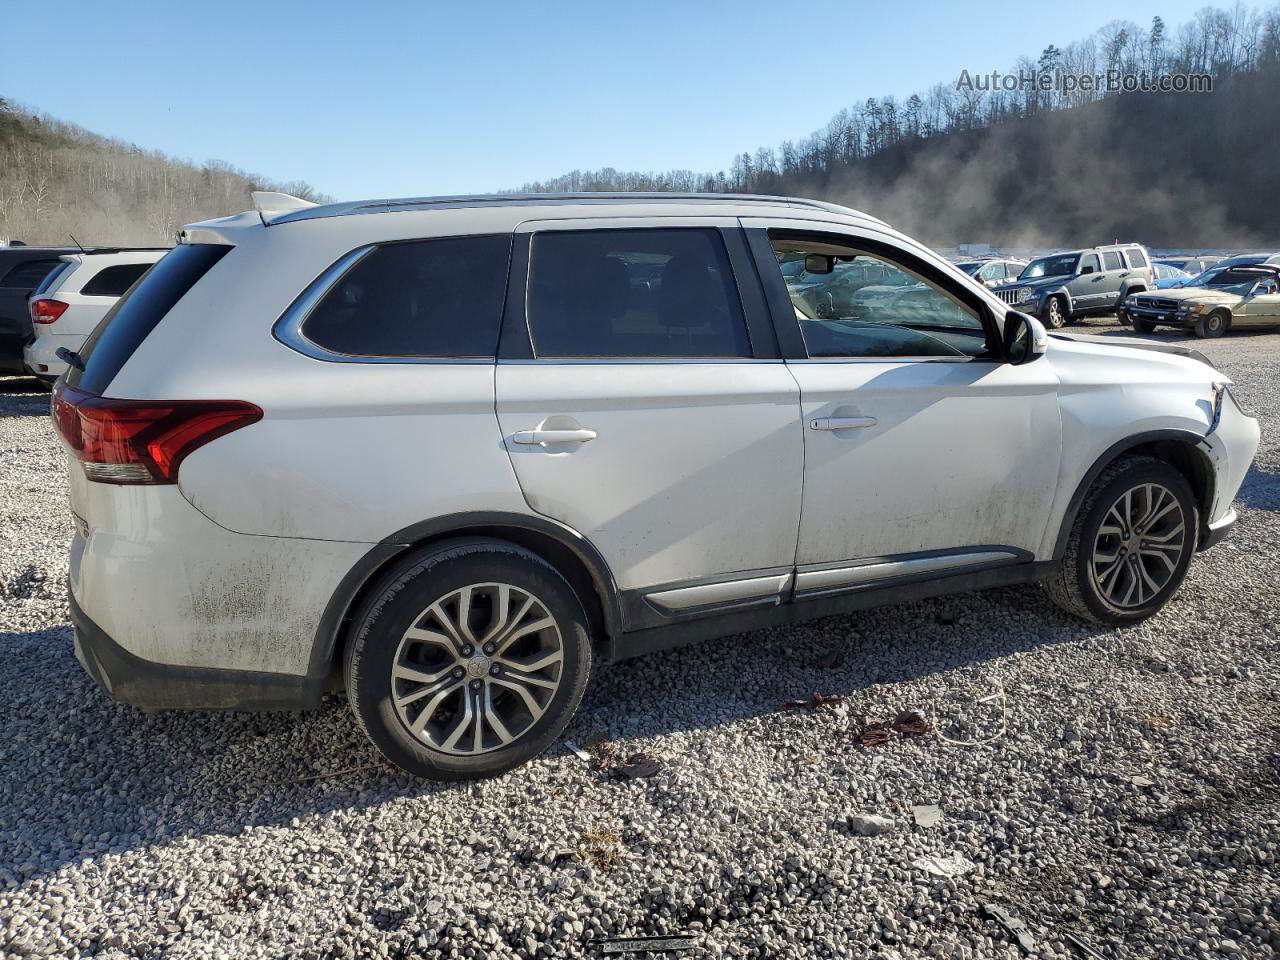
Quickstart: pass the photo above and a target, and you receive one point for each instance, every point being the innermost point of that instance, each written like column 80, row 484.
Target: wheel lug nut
column 488, row 648
column 475, row 684
column 457, row 671
column 467, row 651
column 495, row 669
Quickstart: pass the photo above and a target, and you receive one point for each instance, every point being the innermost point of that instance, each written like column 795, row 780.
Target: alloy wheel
column 477, row 669
column 1139, row 545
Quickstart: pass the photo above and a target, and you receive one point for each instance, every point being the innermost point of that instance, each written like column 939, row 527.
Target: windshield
column 1059, row 265
column 1230, row 279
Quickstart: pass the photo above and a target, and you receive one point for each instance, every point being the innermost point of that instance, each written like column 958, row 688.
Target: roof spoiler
column 271, row 204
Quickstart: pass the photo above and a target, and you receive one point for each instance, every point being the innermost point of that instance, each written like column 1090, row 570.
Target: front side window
column 869, row 306
column 1089, row 264
column 422, row 298
column 646, row 293
column 1111, row 260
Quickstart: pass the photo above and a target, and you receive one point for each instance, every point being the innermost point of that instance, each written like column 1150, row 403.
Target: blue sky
column 375, row 99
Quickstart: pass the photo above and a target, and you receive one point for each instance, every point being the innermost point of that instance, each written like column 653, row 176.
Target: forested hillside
column 959, row 163
column 57, row 179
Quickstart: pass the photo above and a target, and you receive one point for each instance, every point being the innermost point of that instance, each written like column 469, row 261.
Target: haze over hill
column 1031, row 167
column 57, row 179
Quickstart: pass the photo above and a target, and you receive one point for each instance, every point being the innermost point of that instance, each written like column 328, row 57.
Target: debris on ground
column 1012, row 924
column 1082, row 946
column 870, row 825
column 600, row 849
column 927, row 814
column 644, row 944
column 611, row 761
column 910, row 723
column 874, row 734
column 577, row 751
column 814, row 700
column 952, row 866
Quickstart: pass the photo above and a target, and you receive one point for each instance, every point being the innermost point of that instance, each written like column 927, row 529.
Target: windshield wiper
column 70, row 357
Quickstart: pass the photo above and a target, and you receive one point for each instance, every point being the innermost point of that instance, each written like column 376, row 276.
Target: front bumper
column 158, row 686
column 1170, row 318
column 1214, row 533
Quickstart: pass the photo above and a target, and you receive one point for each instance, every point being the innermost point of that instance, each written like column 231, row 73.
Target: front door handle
column 554, row 436
column 841, row 423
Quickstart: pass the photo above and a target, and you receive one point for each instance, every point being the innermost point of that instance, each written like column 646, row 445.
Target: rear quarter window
column 133, row 317
column 421, row 298
column 1136, row 257
column 28, row 274
column 114, row 281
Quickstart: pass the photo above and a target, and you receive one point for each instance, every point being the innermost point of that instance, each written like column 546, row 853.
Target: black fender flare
column 479, row 522
column 1190, row 437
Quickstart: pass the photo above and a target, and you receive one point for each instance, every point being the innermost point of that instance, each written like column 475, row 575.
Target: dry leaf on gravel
column 814, row 700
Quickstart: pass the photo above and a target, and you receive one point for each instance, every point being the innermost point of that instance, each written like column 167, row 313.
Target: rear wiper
column 70, row 357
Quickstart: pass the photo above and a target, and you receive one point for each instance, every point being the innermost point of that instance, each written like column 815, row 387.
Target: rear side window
column 1111, row 260
column 129, row 321
column 424, row 298
column 52, row 277
column 634, row 293
column 114, row 281
column 28, row 274
column 1136, row 259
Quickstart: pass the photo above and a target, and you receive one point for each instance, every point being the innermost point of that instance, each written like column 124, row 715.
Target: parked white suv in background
column 447, row 452
column 74, row 298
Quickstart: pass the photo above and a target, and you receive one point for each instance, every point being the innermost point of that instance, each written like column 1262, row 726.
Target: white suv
column 74, row 298
column 446, row 453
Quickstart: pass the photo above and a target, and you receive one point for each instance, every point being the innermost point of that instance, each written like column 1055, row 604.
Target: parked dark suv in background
column 1066, row 286
column 22, row 269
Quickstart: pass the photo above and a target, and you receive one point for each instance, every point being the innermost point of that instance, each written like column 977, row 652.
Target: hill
column 57, row 179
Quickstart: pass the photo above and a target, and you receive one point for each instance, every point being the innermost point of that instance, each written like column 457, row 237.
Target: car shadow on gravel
column 23, row 397
column 112, row 779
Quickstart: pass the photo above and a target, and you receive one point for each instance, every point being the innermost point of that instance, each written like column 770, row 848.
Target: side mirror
column 1088, row 269
column 819, row 263
column 1025, row 338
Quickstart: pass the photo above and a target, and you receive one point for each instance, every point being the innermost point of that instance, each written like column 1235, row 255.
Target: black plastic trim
column 321, row 667
column 639, row 642
column 1109, row 456
column 147, row 685
column 1210, row 537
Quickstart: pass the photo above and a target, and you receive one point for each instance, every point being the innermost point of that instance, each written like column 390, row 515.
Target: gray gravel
column 1118, row 786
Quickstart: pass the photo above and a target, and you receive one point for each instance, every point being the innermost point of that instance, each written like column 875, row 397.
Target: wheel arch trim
column 351, row 590
column 1188, row 438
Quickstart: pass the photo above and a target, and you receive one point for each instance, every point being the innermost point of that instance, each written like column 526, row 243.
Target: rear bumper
column 40, row 356
column 159, row 686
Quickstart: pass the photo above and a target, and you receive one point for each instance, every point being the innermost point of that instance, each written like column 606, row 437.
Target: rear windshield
column 51, row 278
column 134, row 316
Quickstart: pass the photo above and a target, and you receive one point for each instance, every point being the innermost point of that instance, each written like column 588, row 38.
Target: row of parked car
column 53, row 297
column 1207, row 295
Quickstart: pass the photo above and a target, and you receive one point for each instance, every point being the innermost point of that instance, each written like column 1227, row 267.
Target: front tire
column 1143, row 326
column 1212, row 325
column 1130, row 546
column 1055, row 314
column 468, row 660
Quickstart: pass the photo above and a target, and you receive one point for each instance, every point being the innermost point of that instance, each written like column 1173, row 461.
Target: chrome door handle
column 841, row 423
column 553, row 436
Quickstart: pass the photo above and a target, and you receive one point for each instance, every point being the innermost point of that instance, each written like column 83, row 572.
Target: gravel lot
column 1118, row 786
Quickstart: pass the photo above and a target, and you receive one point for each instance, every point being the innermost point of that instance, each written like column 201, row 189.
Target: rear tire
column 1213, row 324
column 485, row 639
column 1130, row 545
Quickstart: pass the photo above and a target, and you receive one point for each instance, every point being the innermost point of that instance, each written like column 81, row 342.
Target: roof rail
column 312, row 212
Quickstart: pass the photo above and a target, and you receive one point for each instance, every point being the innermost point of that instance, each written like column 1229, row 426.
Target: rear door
column 1114, row 272
column 643, row 403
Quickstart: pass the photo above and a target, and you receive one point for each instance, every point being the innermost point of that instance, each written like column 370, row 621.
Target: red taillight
column 45, row 310
column 141, row 441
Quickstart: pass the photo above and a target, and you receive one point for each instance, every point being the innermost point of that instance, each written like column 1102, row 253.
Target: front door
column 924, row 452
column 652, row 413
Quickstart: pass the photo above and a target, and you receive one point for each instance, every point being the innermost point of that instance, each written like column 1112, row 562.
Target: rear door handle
column 841, row 423
column 553, row 436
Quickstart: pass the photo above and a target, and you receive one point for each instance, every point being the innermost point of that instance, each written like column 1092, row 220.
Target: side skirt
column 636, row 643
